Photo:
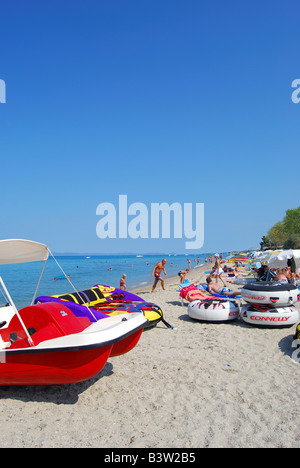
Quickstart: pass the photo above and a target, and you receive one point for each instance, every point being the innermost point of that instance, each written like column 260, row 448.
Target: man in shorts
column 214, row 288
column 156, row 272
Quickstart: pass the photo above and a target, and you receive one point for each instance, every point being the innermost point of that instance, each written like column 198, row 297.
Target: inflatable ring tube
column 213, row 310
column 274, row 294
column 273, row 317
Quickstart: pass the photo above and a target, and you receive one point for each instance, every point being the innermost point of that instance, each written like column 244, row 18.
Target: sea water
column 21, row 280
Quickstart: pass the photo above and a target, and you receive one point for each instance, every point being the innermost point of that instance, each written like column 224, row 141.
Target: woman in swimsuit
column 218, row 270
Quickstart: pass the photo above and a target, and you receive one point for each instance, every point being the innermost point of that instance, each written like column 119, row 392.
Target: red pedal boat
column 46, row 344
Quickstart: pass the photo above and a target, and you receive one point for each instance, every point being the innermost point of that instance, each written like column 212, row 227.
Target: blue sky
column 165, row 101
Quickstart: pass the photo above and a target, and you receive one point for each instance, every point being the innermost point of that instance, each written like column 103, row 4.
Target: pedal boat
column 47, row 344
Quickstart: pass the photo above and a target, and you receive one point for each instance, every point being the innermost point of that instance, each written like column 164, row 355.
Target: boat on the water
column 47, row 343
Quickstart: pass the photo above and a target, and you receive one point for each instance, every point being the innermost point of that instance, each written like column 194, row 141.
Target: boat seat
column 44, row 322
column 49, row 332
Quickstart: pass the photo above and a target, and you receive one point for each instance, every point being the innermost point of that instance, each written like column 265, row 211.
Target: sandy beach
column 199, row 385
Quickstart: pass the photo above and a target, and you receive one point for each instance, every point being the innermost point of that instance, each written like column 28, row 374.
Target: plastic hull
column 64, row 349
column 26, row 367
column 50, row 368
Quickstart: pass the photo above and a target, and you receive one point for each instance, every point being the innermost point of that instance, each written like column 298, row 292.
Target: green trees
column 285, row 233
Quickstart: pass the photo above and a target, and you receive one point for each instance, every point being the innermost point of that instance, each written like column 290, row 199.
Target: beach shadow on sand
column 175, row 303
column 57, row 394
column 285, row 345
column 232, row 323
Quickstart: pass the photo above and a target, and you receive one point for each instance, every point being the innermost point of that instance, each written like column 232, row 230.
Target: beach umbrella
column 264, row 257
column 280, row 260
column 255, row 254
column 267, row 255
column 239, row 258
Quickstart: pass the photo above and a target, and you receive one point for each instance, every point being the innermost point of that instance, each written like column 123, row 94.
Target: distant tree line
column 284, row 234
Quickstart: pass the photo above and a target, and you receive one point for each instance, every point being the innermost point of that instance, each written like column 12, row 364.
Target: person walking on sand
column 156, row 272
column 218, row 269
column 123, row 282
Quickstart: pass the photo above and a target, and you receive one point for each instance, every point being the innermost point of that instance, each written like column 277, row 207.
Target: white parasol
column 267, row 255
column 280, row 260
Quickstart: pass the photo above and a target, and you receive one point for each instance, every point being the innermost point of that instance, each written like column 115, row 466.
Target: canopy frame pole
column 16, row 311
column 39, row 282
column 61, row 269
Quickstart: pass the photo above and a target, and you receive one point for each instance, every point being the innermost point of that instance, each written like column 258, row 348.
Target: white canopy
column 280, row 260
column 22, row 251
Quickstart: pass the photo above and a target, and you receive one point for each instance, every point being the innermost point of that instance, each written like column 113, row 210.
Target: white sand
column 202, row 385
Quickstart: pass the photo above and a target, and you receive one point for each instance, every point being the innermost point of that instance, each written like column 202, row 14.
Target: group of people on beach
column 218, row 269
column 161, row 267
column 286, row 275
column 213, row 286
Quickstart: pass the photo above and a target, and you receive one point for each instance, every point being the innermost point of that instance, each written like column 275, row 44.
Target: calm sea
column 21, row 280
